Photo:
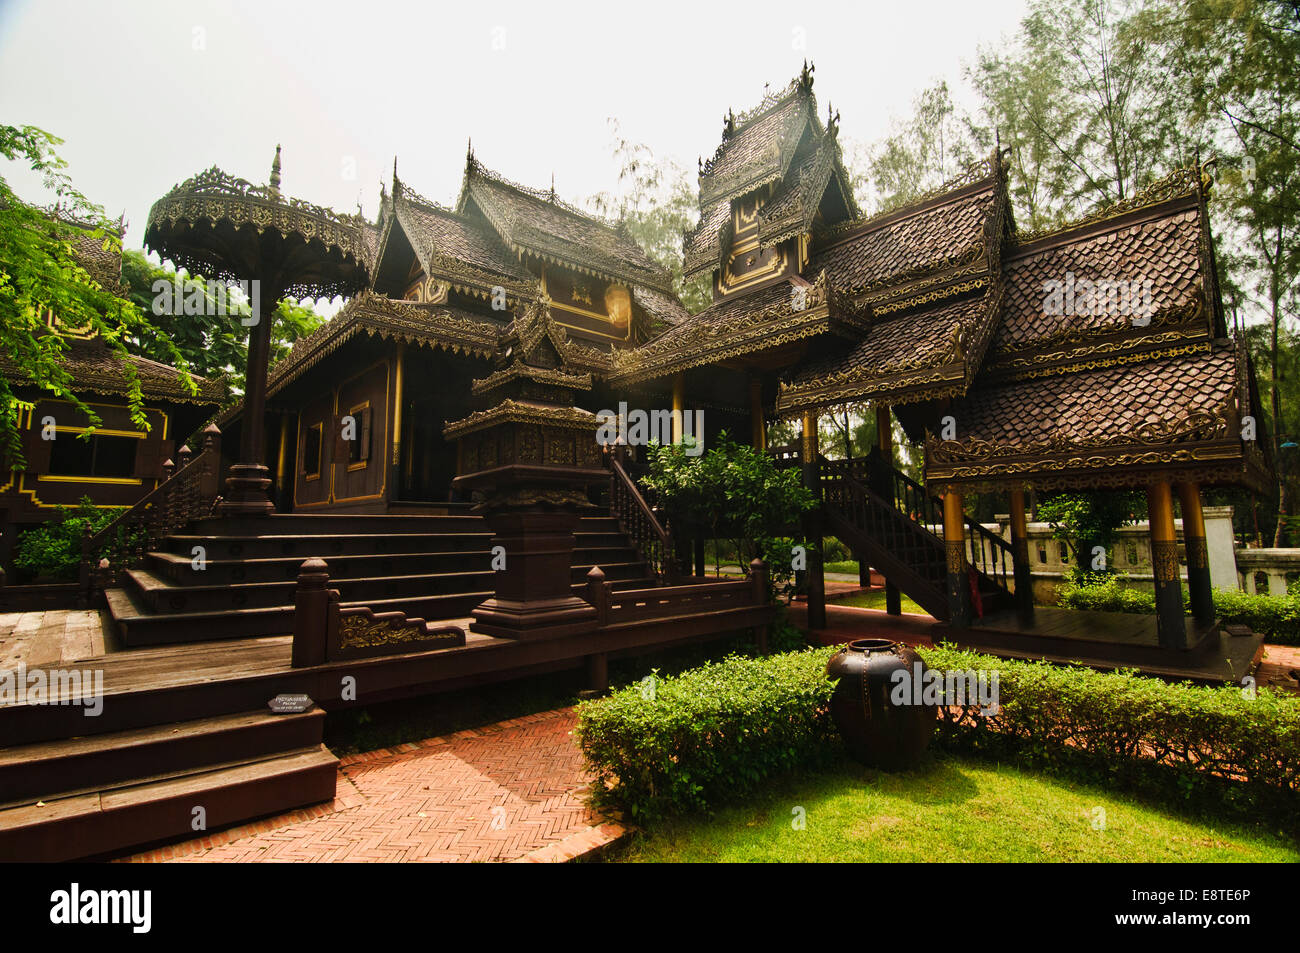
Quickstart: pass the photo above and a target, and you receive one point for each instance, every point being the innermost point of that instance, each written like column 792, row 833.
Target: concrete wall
column 1050, row 559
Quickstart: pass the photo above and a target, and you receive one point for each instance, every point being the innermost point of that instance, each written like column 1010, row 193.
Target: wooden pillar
column 813, row 524
column 282, row 487
column 1020, row 557
column 679, row 404
column 884, row 429
column 597, row 676
column 249, row 478
column 885, row 445
column 954, row 544
column 395, row 463
column 758, row 425
column 1172, row 626
column 1198, row 553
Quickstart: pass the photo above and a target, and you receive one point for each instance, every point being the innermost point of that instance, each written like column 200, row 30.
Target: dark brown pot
column 878, row 732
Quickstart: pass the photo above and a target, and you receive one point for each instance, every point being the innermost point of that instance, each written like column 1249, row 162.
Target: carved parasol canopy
column 228, row 229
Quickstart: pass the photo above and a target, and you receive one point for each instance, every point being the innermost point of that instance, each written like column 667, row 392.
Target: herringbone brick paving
column 492, row 794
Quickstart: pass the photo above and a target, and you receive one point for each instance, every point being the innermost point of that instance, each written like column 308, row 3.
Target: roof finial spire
column 728, row 124
column 552, row 186
column 275, row 172
column 805, row 75
column 469, row 150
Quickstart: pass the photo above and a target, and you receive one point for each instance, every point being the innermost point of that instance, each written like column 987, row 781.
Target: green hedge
column 1106, row 594
column 687, row 742
column 1277, row 618
column 1181, row 741
column 720, row 731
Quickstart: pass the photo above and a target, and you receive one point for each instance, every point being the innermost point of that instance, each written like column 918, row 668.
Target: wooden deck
column 1110, row 640
column 202, row 680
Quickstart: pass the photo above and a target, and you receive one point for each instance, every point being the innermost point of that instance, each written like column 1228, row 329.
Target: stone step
column 179, row 569
column 329, row 524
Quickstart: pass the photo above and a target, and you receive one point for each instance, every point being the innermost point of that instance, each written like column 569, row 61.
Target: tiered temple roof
column 928, row 276
column 1111, row 359
column 452, row 247
column 540, row 224
column 477, row 250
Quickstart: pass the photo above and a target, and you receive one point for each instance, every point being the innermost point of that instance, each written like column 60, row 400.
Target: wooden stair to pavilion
column 103, row 793
column 884, row 516
column 428, row 566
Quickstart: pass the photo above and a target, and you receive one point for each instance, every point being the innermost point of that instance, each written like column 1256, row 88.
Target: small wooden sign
column 289, row 704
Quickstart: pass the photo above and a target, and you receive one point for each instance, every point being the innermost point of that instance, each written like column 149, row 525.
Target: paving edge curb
column 577, row 846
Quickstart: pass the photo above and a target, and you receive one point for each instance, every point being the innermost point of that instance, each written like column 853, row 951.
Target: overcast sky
column 148, row 94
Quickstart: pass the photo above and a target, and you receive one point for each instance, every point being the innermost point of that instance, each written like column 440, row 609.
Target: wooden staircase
column 886, row 519
column 100, row 794
column 428, row 566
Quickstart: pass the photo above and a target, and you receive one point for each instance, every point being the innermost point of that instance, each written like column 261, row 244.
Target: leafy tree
column 1020, row 114
column 42, row 275
column 922, row 151
column 656, row 205
column 733, row 492
column 1084, row 521
column 213, row 341
column 1237, row 60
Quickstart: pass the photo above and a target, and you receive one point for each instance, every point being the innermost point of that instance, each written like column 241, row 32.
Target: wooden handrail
column 183, row 495
column 988, row 553
column 630, row 508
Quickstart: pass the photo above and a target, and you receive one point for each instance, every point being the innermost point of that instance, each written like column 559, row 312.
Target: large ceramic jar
column 883, row 727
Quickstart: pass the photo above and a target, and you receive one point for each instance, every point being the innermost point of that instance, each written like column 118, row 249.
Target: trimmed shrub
column 52, row 550
column 685, row 743
column 1277, row 618
column 1182, row 741
column 690, row 743
column 1106, row 593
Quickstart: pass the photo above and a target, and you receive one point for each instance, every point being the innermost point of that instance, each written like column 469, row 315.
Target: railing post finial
column 311, row 611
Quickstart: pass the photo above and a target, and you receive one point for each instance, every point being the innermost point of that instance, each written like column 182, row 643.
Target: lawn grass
column 875, row 599
column 952, row 809
column 844, row 565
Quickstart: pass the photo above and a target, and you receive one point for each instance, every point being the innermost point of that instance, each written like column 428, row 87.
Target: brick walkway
column 511, row 791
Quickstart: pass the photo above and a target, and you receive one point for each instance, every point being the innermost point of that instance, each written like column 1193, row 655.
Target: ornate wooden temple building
column 1092, row 356
column 417, row 494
